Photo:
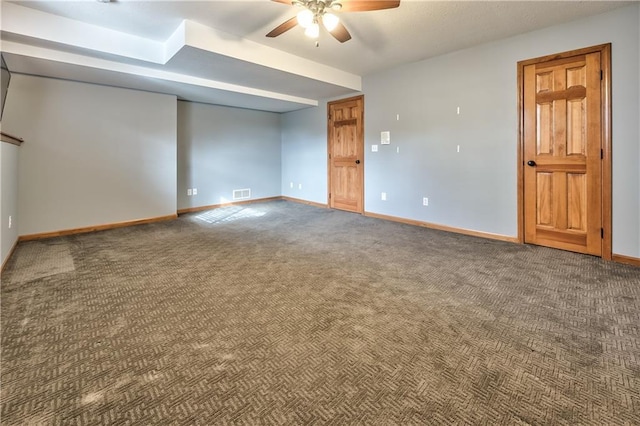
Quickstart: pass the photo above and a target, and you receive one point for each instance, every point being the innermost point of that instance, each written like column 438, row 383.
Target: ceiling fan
column 316, row 12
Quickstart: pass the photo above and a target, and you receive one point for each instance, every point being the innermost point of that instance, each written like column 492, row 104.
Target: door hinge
column 329, row 195
column 601, row 154
column 329, row 156
column 601, row 75
column 601, row 232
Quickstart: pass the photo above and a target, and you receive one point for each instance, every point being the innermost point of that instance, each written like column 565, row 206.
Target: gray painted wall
column 5, row 78
column 9, row 198
column 92, row 154
column 475, row 188
column 221, row 149
column 304, row 154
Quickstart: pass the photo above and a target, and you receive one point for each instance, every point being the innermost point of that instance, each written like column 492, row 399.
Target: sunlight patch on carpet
column 229, row 214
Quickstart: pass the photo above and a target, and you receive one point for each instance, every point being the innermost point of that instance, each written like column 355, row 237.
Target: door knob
column 357, row 161
column 531, row 163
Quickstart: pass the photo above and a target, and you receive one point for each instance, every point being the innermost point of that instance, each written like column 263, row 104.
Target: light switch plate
column 385, row 138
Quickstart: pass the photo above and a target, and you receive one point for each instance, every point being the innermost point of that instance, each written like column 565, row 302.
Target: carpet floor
column 280, row 313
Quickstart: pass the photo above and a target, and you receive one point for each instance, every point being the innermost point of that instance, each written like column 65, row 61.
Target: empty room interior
column 320, row 212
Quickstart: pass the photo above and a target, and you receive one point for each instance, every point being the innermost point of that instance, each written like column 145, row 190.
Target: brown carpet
column 280, row 313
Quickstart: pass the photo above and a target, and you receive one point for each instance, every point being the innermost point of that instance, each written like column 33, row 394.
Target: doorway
column 564, row 158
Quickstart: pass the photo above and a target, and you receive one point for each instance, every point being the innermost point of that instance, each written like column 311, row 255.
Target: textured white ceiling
column 382, row 39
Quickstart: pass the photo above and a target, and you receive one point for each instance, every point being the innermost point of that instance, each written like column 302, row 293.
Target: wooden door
column 346, row 154
column 562, row 153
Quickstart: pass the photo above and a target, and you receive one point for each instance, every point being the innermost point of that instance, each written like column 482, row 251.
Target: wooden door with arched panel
column 563, row 153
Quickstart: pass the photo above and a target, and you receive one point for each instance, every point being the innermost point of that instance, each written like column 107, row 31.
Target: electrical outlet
column 425, row 201
column 458, row 148
column 374, row 148
column 189, row 192
column 195, row 191
column 383, row 196
column 9, row 222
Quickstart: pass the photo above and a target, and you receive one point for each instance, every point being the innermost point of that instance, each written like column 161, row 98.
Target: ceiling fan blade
column 284, row 27
column 284, row 2
column 340, row 33
column 367, row 5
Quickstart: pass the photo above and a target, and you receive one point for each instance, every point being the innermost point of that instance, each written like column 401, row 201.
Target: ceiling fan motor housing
column 318, row 6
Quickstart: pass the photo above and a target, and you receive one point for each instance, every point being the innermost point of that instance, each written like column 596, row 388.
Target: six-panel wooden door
column 346, row 152
column 562, row 154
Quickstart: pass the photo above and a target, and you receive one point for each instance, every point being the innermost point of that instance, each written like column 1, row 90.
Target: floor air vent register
column 241, row 194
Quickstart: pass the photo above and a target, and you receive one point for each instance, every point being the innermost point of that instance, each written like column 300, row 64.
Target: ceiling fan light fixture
column 312, row 31
column 316, row 13
column 305, row 18
column 330, row 21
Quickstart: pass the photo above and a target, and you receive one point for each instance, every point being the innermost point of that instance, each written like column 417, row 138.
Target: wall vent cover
column 241, row 194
